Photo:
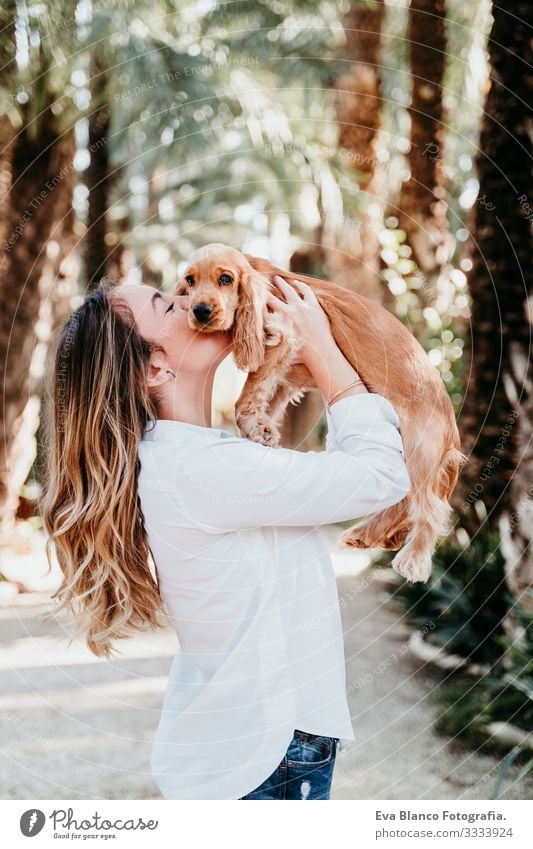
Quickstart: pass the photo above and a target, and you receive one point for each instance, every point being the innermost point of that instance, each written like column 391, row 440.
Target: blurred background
column 383, row 145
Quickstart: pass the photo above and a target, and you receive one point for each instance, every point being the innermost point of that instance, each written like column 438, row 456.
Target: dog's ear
column 248, row 324
column 259, row 263
column 181, row 287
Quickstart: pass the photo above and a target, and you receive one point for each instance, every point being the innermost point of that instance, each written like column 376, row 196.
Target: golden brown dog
column 228, row 289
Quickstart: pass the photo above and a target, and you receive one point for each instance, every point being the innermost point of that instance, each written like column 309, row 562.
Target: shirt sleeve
column 342, row 415
column 235, row 483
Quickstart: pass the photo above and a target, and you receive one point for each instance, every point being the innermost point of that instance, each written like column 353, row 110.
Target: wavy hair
column 98, row 408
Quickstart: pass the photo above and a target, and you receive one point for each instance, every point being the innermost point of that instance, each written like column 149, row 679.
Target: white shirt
column 249, row 584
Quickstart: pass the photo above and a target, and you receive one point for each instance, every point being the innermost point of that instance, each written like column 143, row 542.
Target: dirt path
column 397, row 755
column 74, row 727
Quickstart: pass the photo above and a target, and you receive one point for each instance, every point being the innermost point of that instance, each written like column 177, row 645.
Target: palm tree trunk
column 40, row 198
column 423, row 209
column 7, row 138
column 354, row 262
column 508, row 149
column 119, row 258
column 300, row 425
column 358, row 92
column 7, row 130
column 57, row 286
column 96, row 249
column 496, row 415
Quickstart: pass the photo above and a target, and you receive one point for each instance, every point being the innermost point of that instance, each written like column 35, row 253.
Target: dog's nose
column 202, row 312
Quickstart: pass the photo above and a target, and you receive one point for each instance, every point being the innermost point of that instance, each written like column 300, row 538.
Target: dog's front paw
column 263, row 431
column 266, row 433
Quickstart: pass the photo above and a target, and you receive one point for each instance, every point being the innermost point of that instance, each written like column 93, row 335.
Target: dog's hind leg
column 414, row 561
column 431, row 516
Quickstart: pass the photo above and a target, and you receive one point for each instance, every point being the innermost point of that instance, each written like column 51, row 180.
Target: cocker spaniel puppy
column 228, row 290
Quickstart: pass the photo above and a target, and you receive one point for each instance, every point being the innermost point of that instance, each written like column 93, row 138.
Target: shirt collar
column 166, row 430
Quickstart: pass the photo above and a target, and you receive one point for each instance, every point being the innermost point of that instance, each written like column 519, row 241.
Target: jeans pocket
column 310, row 750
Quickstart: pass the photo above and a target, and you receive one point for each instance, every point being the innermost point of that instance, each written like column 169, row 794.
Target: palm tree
column 40, row 166
column 145, row 84
column 358, row 91
column 98, row 173
column 501, row 284
column 358, row 105
column 8, row 111
column 38, row 169
column 423, row 210
column 497, row 428
column 300, row 425
column 7, row 138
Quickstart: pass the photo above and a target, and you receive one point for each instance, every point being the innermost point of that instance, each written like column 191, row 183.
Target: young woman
column 256, row 699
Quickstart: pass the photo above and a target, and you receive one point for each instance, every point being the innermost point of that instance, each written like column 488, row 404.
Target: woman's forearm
column 332, row 371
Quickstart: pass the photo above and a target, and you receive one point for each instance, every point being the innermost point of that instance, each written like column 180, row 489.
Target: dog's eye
column 225, row 279
column 189, row 280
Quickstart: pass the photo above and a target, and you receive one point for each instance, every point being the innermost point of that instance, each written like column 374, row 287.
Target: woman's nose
column 183, row 301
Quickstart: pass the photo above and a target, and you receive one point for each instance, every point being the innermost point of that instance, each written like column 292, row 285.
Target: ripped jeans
column 306, row 771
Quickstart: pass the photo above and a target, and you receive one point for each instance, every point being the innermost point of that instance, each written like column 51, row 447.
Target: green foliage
column 467, row 601
column 466, row 598
column 517, row 662
column 507, row 762
column 296, row 39
column 469, row 704
column 439, row 332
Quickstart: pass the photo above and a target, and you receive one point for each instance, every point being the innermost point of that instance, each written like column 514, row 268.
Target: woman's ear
column 156, row 372
column 248, row 324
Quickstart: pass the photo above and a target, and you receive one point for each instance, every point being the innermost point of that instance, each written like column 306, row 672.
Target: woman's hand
column 333, row 373
column 302, row 311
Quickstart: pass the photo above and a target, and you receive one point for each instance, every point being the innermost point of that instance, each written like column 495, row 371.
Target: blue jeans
column 305, row 772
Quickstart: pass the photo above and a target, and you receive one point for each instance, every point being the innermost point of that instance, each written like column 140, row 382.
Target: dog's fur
column 387, row 357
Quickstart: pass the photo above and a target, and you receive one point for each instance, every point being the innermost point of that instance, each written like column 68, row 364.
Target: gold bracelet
column 331, row 398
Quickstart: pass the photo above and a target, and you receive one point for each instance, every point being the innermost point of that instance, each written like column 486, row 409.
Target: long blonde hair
column 98, row 408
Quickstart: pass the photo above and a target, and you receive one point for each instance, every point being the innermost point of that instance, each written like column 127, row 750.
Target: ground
column 75, row 727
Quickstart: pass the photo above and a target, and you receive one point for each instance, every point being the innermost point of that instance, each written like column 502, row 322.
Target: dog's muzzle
column 202, row 313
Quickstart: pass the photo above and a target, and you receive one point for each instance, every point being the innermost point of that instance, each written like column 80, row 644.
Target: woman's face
column 162, row 318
